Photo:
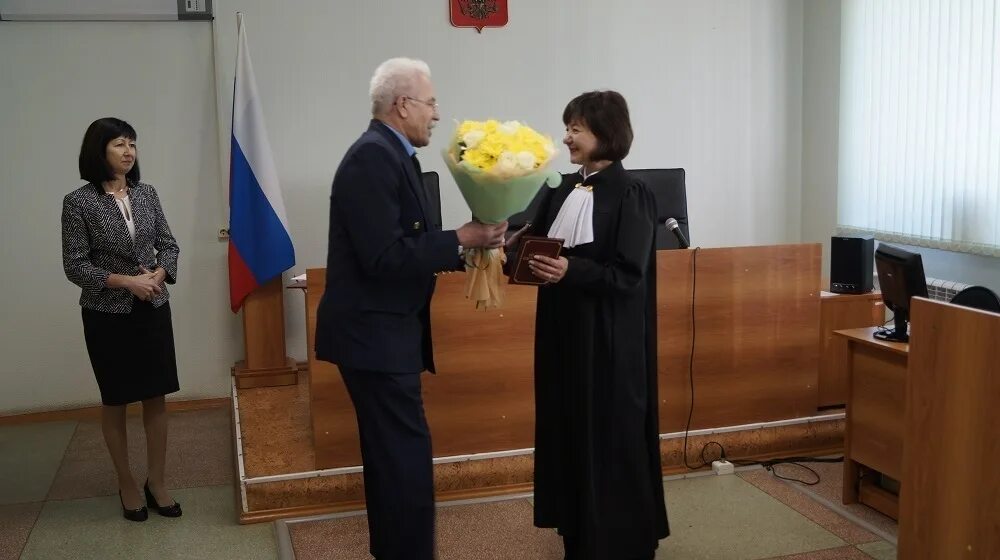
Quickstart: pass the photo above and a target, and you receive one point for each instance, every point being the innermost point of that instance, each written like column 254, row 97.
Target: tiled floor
column 57, row 500
column 31, row 455
column 879, row 550
column 200, row 454
column 715, row 518
column 745, row 517
column 814, row 511
column 494, row 530
column 829, row 490
column 16, row 522
column 58, row 497
column 80, row 529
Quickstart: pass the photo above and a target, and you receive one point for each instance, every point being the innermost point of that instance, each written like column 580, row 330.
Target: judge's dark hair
column 94, row 151
column 605, row 113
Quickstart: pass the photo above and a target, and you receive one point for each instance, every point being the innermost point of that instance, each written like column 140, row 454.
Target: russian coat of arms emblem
column 478, row 13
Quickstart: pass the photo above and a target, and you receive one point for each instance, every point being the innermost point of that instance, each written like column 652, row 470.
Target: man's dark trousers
column 396, row 453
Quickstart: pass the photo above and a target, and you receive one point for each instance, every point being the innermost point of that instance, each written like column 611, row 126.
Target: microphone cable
column 768, row 464
column 694, row 331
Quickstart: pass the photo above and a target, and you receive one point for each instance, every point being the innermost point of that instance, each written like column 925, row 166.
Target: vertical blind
column 919, row 155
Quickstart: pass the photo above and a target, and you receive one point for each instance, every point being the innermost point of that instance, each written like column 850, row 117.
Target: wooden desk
column 756, row 357
column 837, row 312
column 950, row 499
column 876, row 404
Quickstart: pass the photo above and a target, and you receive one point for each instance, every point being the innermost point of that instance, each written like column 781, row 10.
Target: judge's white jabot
column 575, row 221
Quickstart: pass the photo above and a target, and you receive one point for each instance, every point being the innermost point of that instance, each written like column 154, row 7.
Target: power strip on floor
column 723, row 467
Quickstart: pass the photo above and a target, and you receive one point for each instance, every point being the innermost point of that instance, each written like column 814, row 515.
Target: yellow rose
column 482, row 144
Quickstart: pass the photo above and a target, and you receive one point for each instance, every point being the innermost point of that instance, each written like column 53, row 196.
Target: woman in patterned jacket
column 118, row 248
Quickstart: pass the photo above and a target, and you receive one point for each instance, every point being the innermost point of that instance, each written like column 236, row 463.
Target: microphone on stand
column 675, row 229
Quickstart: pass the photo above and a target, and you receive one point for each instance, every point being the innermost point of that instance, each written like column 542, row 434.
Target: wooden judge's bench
column 752, row 314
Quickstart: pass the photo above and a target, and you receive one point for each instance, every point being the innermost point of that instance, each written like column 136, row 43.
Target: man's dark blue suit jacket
column 382, row 256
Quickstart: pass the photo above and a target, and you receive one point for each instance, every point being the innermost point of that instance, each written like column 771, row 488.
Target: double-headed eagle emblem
column 478, row 9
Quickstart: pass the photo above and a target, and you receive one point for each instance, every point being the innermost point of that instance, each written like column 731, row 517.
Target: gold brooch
column 588, row 188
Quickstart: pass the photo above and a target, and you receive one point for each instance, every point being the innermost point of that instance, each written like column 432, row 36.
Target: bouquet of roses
column 499, row 167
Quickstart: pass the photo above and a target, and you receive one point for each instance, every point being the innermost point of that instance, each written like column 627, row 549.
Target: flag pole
column 265, row 363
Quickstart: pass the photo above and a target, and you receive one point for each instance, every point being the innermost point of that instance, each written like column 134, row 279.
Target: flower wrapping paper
column 499, row 168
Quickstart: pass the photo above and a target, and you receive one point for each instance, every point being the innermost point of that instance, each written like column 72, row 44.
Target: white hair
column 393, row 78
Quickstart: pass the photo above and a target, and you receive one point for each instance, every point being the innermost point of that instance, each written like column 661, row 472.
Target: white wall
column 57, row 78
column 714, row 87
column 820, row 122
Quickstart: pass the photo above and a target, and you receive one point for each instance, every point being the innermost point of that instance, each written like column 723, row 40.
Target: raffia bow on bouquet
column 499, row 168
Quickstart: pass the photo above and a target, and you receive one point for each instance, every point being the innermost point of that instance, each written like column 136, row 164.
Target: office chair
column 670, row 191
column 978, row 297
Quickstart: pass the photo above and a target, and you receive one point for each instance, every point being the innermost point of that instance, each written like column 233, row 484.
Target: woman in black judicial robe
column 597, row 455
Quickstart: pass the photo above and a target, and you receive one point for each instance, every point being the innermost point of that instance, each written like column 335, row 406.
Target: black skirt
column 132, row 353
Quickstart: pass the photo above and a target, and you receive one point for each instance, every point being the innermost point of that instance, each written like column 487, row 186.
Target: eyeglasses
column 430, row 102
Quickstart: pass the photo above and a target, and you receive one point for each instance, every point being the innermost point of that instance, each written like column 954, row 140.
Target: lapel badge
column 416, row 225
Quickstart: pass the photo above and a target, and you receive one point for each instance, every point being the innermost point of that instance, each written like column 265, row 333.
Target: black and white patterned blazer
column 96, row 244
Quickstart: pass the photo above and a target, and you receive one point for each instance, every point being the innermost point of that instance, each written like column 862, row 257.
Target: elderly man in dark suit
column 374, row 318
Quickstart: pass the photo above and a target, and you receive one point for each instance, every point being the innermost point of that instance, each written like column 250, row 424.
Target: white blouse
column 125, row 206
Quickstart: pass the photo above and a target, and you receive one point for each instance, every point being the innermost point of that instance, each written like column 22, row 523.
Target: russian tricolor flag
column 260, row 245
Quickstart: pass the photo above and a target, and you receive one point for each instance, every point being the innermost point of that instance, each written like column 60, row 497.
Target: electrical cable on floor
column 768, row 464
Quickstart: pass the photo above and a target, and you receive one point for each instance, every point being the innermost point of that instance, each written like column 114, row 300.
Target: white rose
column 506, row 163
column 472, row 138
column 509, row 127
column 526, row 160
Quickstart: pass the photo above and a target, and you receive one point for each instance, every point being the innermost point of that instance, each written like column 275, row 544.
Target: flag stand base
column 247, row 378
column 266, row 364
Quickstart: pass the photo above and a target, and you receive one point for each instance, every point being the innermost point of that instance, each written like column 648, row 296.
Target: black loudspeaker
column 851, row 260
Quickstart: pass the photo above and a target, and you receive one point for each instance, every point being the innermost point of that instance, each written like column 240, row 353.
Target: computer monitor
column 900, row 277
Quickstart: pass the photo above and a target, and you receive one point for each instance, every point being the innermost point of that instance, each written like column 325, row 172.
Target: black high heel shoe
column 138, row 514
column 173, row 510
